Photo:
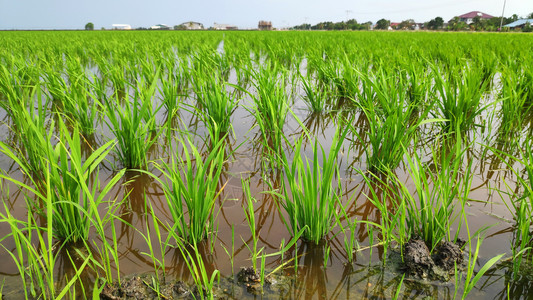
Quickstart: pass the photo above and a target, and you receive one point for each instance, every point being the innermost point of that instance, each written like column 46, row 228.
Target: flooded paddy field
column 160, row 164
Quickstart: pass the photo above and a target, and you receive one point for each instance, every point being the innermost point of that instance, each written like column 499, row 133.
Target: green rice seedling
column 192, row 183
column 524, row 84
column 75, row 199
column 159, row 263
column 270, row 106
column 310, row 197
column 431, row 214
column 315, row 96
column 231, row 255
column 203, row 281
column 16, row 85
column 417, row 79
column 115, row 71
column 249, row 212
column 472, row 277
column 349, row 232
column 263, row 267
column 460, row 93
column 514, row 100
column 326, row 256
column 133, row 125
column 391, row 127
column 146, row 70
column 30, row 126
column 382, row 193
column 215, row 101
column 25, row 111
column 332, row 73
column 105, row 254
column 77, row 102
column 172, row 85
column 520, row 205
column 487, row 66
column 145, row 91
column 398, row 289
column 99, row 85
column 35, row 252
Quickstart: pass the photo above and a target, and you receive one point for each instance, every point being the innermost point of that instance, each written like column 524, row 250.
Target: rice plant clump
column 310, row 196
column 191, row 188
column 67, row 185
column 133, row 122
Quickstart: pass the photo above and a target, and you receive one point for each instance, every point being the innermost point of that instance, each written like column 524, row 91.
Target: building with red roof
column 468, row 18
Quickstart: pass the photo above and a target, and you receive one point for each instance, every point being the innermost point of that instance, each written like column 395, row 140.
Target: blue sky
column 72, row 14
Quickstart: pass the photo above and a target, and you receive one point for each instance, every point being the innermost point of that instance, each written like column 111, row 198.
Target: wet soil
column 144, row 287
column 440, row 265
column 246, row 283
column 251, row 279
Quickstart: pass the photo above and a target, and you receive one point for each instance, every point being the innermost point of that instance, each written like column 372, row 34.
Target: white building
column 121, row 26
column 192, row 25
column 217, row 26
column 160, row 27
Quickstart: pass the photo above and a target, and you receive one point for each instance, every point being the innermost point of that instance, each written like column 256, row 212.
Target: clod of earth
column 417, row 259
column 138, row 287
column 447, row 255
column 419, row 262
column 251, row 280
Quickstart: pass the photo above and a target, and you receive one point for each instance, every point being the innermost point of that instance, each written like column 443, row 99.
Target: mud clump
column 448, row 255
column 419, row 262
column 137, row 287
column 250, row 279
column 417, row 259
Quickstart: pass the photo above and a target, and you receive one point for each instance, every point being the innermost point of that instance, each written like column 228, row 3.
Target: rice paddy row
column 325, row 123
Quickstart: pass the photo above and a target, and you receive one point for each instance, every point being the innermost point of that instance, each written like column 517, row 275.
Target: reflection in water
column 517, row 288
column 176, row 267
column 311, row 277
column 69, row 259
column 88, row 145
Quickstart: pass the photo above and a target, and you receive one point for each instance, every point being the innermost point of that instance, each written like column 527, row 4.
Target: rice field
column 315, row 160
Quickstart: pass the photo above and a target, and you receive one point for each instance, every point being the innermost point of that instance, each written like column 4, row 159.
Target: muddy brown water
column 365, row 278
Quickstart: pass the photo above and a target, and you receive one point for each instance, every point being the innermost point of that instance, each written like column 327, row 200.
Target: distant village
column 471, row 21
column 191, row 25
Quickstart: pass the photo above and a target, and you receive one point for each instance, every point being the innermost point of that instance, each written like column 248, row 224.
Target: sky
column 74, row 14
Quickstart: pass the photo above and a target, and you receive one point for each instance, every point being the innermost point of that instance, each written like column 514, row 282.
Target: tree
column 339, row 26
column 89, row 26
column 352, row 24
column 456, row 24
column 383, row 24
column 478, row 23
column 435, row 23
column 407, row 24
column 527, row 28
column 366, row 25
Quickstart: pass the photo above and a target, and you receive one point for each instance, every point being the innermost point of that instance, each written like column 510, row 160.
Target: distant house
column 265, row 25
column 519, row 23
column 192, row 25
column 217, row 26
column 393, row 25
column 160, row 27
column 121, row 26
column 468, row 18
